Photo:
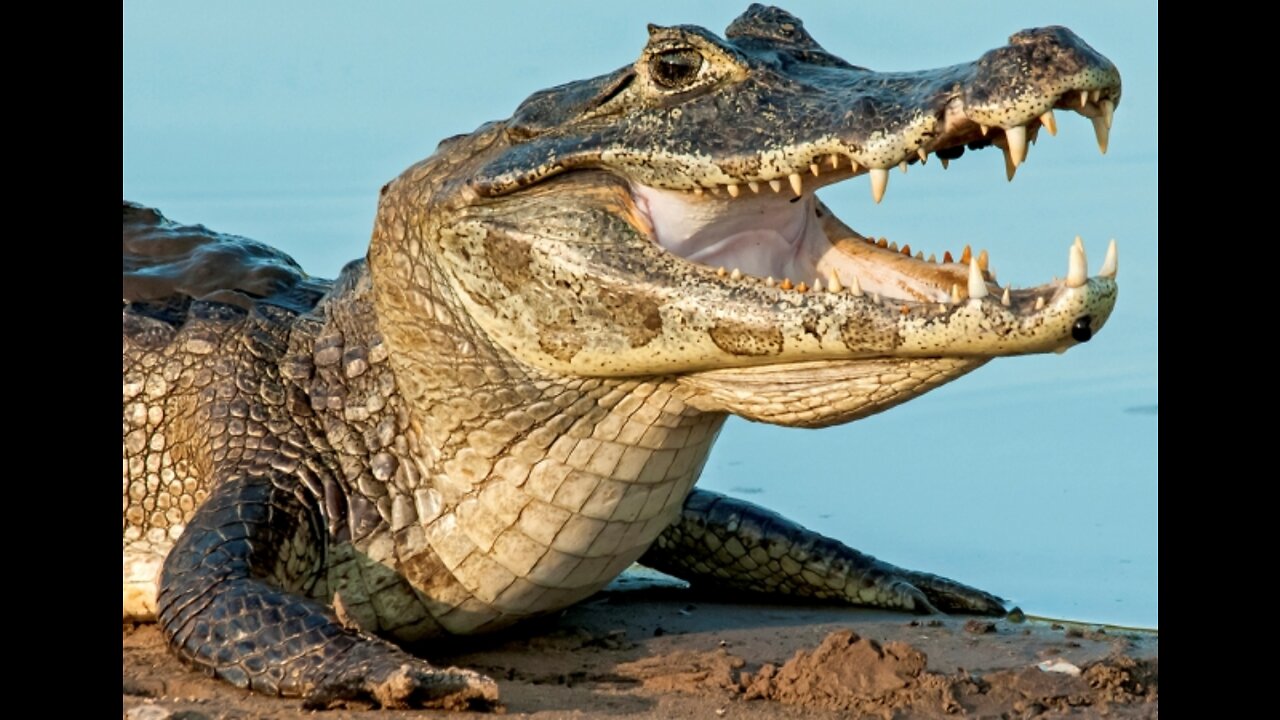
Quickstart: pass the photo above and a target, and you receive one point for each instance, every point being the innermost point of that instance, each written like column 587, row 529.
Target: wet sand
column 645, row 651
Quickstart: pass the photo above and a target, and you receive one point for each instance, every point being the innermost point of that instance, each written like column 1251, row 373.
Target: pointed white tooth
column 770, row 281
column 984, row 130
column 853, row 163
column 1050, row 123
column 796, row 184
column 942, row 308
column 1095, row 95
column 1102, row 132
column 1108, row 111
column 1078, row 242
column 893, row 246
column 1084, row 98
column 855, row 288
column 1111, row 263
column 776, row 185
column 835, row 161
column 720, row 271
column 833, row 283
column 920, row 255
column 903, row 167
column 734, row 190
column 1010, row 167
column 875, row 298
column 977, row 288
column 817, row 285
column 933, row 257
column 1077, row 267
column 1040, row 303
column 1017, row 138
column 736, row 274
column 924, row 156
column 955, row 293
column 879, row 181
column 945, row 162
column 755, row 186
column 813, row 168
column 1005, row 300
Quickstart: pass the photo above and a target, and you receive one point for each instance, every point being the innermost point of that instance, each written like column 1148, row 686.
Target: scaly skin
column 510, row 400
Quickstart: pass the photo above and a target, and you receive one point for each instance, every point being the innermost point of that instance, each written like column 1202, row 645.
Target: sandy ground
column 666, row 652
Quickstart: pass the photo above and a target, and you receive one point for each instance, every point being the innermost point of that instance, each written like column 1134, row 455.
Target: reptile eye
column 675, row 68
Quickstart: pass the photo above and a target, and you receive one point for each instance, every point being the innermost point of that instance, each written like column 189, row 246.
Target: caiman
column 507, row 402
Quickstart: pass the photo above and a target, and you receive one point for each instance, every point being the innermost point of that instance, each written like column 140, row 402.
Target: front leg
column 722, row 542
column 229, row 603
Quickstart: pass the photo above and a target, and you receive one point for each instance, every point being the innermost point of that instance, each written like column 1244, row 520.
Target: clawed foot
column 412, row 684
column 924, row 593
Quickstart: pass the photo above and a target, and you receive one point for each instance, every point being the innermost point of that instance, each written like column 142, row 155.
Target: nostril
column 1082, row 330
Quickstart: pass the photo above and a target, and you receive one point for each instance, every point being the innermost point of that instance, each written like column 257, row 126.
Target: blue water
column 1035, row 477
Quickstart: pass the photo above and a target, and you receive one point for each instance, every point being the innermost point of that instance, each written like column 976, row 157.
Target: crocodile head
column 661, row 220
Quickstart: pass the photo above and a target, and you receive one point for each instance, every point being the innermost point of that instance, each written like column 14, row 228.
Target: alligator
column 507, row 402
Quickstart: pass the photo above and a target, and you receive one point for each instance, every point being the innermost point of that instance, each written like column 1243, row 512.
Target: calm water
column 1036, row 478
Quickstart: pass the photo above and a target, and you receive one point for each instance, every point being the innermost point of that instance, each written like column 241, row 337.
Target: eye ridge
column 676, row 68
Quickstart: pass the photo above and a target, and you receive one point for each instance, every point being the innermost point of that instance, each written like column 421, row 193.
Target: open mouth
column 772, row 230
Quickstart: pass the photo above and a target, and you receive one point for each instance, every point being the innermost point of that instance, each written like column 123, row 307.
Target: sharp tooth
column 983, row 260
column 906, row 250
column 786, row 284
column 1077, row 267
column 1095, row 95
column 875, row 298
column 715, row 190
column 933, row 258
column 942, row 308
column 835, row 161
column 853, row 163
column 1004, row 299
column 946, row 257
column 1102, row 132
column 920, row 255
column 813, row 168
column 770, row 281
column 1084, row 99
column 879, row 181
column 817, row 285
column 903, row 167
column 775, row 185
column 1111, row 263
column 945, row 162
column 755, row 186
column 736, row 274
column 855, row 288
column 1108, row 111
column 966, row 255
column 697, row 191
column 1078, row 242
column 955, row 293
column 984, row 130
column 977, row 288
column 833, row 283
column 796, row 185
column 1049, row 122
column 924, row 156
column 883, row 244
column 734, row 190
column 720, row 271
column 1017, row 139
column 1010, row 167
column 802, row 288
column 893, row 247
column 1039, row 303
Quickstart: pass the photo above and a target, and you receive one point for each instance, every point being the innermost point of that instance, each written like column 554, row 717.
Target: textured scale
column 510, row 400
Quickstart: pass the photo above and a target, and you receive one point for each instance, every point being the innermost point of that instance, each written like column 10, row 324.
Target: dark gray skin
column 509, row 401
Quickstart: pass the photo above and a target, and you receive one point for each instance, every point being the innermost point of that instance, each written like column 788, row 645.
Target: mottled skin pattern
column 510, row 400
